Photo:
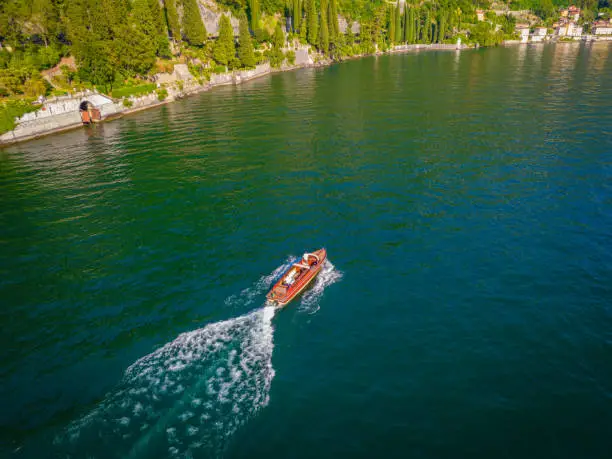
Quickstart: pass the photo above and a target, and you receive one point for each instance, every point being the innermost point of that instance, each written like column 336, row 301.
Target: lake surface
column 465, row 200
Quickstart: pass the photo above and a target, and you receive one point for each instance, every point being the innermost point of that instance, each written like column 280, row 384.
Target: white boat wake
column 248, row 295
column 191, row 395
column 310, row 299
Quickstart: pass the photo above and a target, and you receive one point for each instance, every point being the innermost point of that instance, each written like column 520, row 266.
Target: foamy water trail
column 310, row 299
column 187, row 398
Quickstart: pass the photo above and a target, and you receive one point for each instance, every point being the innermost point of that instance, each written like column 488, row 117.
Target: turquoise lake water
column 465, row 200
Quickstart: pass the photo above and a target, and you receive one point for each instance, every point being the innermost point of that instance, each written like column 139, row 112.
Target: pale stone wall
column 33, row 128
column 64, row 104
column 343, row 26
column 302, row 58
column 56, row 114
column 218, row 79
column 211, row 21
column 181, row 72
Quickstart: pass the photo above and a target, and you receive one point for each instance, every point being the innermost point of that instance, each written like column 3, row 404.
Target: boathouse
column 90, row 107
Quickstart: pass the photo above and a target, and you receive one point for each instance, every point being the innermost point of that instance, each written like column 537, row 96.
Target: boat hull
column 281, row 300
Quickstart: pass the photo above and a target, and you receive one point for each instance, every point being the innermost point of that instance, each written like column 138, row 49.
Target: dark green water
column 466, row 204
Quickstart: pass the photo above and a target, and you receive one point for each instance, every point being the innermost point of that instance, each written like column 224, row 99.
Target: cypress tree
column 245, row 50
column 296, row 15
column 254, row 14
column 427, row 25
column 391, row 26
column 442, row 27
column 434, row 30
column 398, row 24
column 413, row 29
column 334, row 27
column 76, row 23
column 407, row 24
column 303, row 31
column 157, row 15
column 417, row 29
column 313, row 22
column 350, row 37
column 172, row 19
column 194, row 31
column 142, row 19
column 224, row 50
column 139, row 39
column 278, row 41
column 161, row 38
column 324, row 32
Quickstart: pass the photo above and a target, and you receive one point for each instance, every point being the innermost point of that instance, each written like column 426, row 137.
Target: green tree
column 296, row 15
column 313, row 22
column 391, row 26
column 349, row 37
column 324, row 31
column 366, row 44
column 378, row 26
column 278, row 41
column 441, row 27
column 143, row 27
column 545, row 9
column 254, row 14
column 135, row 42
column 12, row 18
column 95, row 65
column 172, row 19
column 334, row 27
column 160, row 37
column 407, row 24
column 245, row 50
column 303, row 32
column 44, row 19
column 224, row 50
column 35, row 87
column 418, row 37
column 194, row 31
column 399, row 33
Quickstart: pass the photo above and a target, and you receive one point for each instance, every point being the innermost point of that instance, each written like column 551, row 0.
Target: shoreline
column 230, row 78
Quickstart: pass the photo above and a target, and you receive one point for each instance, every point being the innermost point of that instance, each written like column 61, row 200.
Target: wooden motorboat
column 297, row 278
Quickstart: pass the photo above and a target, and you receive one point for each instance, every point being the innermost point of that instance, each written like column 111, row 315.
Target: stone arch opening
column 89, row 112
column 85, row 105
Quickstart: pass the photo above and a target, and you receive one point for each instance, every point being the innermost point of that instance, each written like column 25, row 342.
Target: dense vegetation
column 118, row 44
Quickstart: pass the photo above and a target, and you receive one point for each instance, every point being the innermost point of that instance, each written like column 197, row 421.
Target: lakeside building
column 480, row 15
column 567, row 29
column 539, row 34
column 572, row 13
column 523, row 31
column 602, row 27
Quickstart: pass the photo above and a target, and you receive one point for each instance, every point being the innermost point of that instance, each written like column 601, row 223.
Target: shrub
column 162, row 94
column 195, row 70
column 290, row 56
column 35, row 87
column 220, row 69
column 206, row 74
column 127, row 103
column 12, row 109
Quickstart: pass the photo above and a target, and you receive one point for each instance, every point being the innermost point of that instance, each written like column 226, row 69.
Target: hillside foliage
column 114, row 42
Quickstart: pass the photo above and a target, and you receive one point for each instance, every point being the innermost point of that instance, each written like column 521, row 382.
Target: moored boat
column 297, row 278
